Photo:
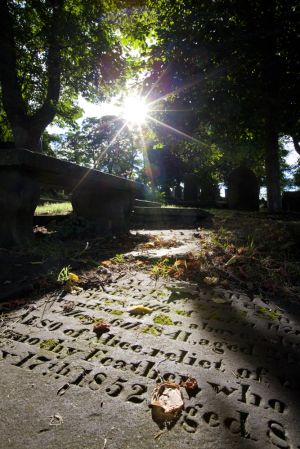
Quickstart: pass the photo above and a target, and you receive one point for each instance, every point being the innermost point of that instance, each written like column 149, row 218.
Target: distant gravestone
column 291, row 201
column 243, row 189
column 178, row 191
column 191, row 187
column 210, row 193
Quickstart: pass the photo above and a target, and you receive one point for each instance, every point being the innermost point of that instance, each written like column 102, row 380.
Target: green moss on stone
column 272, row 314
column 163, row 320
column 116, row 312
column 48, row 344
column 151, row 330
column 182, row 312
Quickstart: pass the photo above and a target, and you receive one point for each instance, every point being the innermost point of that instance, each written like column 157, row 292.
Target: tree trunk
column 271, row 85
column 28, row 137
column 296, row 144
column 28, row 128
column 272, row 166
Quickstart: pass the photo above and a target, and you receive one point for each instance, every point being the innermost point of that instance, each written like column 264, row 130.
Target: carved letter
column 277, row 436
column 222, row 389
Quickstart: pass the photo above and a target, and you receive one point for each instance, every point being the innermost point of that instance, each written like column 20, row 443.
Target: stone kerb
column 191, row 187
column 104, row 199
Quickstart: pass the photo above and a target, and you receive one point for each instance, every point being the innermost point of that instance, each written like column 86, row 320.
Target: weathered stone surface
column 243, row 190
column 107, row 209
column 19, row 196
column 245, row 362
column 56, row 172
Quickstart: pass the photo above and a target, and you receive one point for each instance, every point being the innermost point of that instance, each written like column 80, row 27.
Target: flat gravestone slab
column 183, row 238
column 166, row 217
column 61, row 387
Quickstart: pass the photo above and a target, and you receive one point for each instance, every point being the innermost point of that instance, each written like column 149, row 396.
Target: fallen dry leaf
column 232, row 260
column 191, row 385
column 139, row 310
column 100, row 327
column 149, row 245
column 106, row 263
column 68, row 306
column 180, row 263
column 167, row 401
column 211, row 280
column 73, row 278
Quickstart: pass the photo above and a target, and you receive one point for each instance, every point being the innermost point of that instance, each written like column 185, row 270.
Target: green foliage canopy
column 104, row 144
column 235, row 65
column 50, row 51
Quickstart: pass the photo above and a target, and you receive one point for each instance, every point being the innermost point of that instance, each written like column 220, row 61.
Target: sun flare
column 135, row 110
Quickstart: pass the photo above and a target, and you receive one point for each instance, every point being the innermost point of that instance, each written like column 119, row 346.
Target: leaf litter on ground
column 159, row 242
column 244, row 251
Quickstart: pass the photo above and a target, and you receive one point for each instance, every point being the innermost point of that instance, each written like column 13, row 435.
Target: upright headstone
column 191, row 187
column 243, row 189
column 178, row 191
column 291, row 201
column 210, row 193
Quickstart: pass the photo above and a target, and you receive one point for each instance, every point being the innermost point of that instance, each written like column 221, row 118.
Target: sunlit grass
column 54, row 208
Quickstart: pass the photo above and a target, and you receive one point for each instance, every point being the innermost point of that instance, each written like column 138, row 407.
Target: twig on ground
column 159, row 434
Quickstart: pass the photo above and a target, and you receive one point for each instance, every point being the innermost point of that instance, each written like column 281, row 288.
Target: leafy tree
column 50, row 51
column 297, row 177
column 105, row 144
column 239, row 64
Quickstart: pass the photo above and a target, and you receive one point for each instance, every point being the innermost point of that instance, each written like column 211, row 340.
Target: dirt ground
column 254, row 252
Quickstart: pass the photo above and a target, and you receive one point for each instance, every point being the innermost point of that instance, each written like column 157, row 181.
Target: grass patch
column 54, row 208
column 119, row 258
column 162, row 268
column 163, row 320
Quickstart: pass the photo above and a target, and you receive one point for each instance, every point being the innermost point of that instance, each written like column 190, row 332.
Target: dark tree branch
column 296, row 144
column 46, row 113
